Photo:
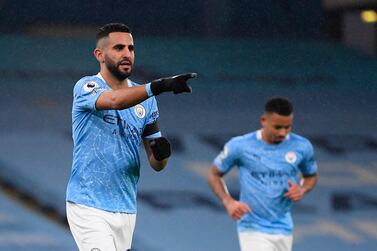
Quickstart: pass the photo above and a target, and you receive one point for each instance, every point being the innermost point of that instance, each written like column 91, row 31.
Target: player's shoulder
column 300, row 139
column 89, row 83
column 244, row 139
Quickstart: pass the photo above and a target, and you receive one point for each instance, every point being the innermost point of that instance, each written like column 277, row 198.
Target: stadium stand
column 333, row 89
column 22, row 229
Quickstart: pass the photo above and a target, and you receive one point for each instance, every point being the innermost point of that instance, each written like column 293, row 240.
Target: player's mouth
column 279, row 139
column 125, row 63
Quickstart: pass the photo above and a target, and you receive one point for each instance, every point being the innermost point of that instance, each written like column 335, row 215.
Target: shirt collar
column 259, row 135
column 100, row 77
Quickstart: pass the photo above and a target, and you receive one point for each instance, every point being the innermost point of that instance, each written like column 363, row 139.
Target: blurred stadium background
column 321, row 54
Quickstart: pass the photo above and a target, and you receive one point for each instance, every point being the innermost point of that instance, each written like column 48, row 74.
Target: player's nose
column 283, row 133
column 126, row 53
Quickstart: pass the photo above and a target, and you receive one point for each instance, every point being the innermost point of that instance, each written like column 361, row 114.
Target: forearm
column 122, row 98
column 309, row 182
column 218, row 185
column 235, row 209
column 156, row 164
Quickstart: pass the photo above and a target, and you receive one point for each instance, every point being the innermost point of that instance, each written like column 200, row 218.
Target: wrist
column 158, row 87
column 148, row 90
column 226, row 200
column 161, row 148
column 304, row 190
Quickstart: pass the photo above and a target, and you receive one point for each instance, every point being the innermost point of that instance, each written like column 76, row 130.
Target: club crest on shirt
column 90, row 86
column 140, row 111
column 291, row 157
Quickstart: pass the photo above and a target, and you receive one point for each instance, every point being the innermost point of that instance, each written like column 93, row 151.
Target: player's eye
column 118, row 47
column 282, row 127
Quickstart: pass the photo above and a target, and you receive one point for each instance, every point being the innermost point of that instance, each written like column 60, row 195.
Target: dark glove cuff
column 158, row 87
column 161, row 148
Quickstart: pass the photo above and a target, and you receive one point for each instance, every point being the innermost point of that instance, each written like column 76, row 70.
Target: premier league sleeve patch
column 90, row 86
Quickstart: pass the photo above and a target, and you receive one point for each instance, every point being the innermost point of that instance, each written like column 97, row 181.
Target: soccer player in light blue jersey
column 111, row 117
column 276, row 168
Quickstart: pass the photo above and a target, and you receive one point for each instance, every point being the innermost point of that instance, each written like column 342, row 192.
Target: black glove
column 160, row 148
column 176, row 84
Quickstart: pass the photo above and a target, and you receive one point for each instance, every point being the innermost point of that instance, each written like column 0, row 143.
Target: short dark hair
column 279, row 105
column 105, row 30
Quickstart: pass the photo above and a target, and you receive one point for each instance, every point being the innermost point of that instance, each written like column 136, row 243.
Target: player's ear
column 99, row 55
column 263, row 119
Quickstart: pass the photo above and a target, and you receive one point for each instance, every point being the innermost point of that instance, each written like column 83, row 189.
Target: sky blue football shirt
column 264, row 171
column 106, row 153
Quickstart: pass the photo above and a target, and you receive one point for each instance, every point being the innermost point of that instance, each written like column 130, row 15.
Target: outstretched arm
column 128, row 97
column 235, row 209
column 121, row 98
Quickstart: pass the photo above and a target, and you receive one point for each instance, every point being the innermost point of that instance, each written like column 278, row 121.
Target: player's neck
column 113, row 82
column 267, row 140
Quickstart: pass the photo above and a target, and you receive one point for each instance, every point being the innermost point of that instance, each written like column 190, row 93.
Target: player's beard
column 114, row 69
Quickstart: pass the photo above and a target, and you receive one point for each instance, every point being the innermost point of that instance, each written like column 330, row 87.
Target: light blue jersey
column 106, row 154
column 264, row 171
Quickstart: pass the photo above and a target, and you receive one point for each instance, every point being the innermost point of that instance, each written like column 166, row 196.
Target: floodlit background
column 322, row 55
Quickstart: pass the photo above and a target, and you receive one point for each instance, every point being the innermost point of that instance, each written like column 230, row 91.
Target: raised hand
column 176, row 84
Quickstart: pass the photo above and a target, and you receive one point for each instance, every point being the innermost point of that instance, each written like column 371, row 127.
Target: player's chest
column 267, row 158
column 131, row 119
